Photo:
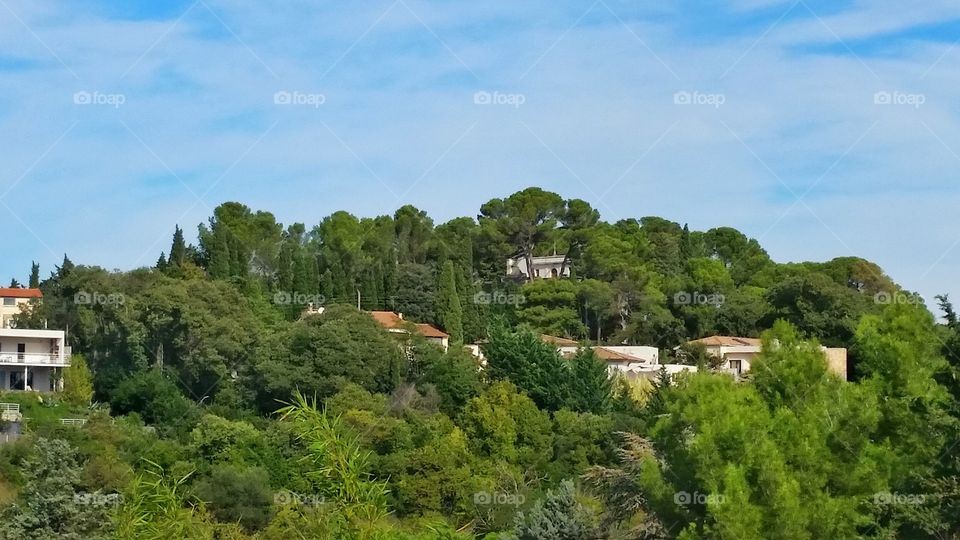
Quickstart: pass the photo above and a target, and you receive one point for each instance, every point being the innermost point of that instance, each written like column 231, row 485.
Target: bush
column 238, row 496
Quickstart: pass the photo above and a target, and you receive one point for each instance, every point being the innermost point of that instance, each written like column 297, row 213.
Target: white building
column 32, row 359
column 546, row 267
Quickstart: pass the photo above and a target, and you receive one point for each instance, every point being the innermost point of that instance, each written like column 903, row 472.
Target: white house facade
column 32, row 360
column 546, row 267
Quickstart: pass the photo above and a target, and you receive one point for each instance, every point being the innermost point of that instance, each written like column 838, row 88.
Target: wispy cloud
column 633, row 107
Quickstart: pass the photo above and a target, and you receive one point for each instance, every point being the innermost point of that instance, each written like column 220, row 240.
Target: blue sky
column 821, row 128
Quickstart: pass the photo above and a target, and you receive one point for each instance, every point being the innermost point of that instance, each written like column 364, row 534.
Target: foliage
column 77, row 382
column 238, row 496
column 50, row 504
column 341, row 466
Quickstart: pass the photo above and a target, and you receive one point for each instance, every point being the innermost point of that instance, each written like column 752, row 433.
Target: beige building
column 738, row 353
column 12, row 301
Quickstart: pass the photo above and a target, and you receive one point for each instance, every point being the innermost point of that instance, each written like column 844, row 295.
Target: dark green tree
column 590, row 384
column 34, row 275
column 449, row 310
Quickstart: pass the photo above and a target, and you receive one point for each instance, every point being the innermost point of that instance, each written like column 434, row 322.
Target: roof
column 558, row 341
column 392, row 321
column 387, row 319
column 427, row 330
column 610, row 355
column 728, row 341
column 16, row 292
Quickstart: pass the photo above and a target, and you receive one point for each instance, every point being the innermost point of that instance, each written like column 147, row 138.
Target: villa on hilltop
column 545, row 267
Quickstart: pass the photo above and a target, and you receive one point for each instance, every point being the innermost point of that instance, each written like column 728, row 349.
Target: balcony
column 33, row 359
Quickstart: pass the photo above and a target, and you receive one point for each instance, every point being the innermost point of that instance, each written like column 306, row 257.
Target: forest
column 215, row 409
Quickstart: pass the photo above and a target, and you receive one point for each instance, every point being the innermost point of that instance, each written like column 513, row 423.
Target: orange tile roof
column 16, row 292
column 427, row 330
column 392, row 321
column 558, row 341
column 387, row 319
column 728, row 341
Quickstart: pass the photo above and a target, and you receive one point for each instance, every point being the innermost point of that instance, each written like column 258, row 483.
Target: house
column 737, row 354
column 633, row 361
column 395, row 324
column 11, row 300
column 546, row 267
column 32, row 359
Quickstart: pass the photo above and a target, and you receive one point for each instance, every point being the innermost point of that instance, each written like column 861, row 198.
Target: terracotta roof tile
column 15, row 292
column 392, row 321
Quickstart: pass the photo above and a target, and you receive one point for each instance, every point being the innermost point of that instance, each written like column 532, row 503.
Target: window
column 7, row 301
column 735, row 366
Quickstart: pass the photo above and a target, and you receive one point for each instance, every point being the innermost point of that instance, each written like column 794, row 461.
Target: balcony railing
column 32, row 359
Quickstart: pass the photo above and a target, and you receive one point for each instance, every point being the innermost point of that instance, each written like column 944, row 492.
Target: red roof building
column 16, row 292
column 394, row 322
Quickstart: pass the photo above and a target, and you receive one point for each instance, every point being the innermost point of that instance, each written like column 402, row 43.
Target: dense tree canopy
column 217, row 405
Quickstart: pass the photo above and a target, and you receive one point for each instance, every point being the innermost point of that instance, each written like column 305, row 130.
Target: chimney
column 400, row 315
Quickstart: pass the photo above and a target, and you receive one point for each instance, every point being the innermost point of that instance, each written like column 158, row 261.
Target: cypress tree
column 449, row 309
column 35, row 275
column 178, row 249
column 219, row 263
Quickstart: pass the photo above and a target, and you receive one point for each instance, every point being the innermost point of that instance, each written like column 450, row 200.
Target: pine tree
column 656, row 404
column 34, row 275
column 449, row 309
column 178, row 251
column 590, row 383
column 161, row 262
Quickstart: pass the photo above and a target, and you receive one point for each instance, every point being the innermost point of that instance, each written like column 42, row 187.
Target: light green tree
column 77, row 382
